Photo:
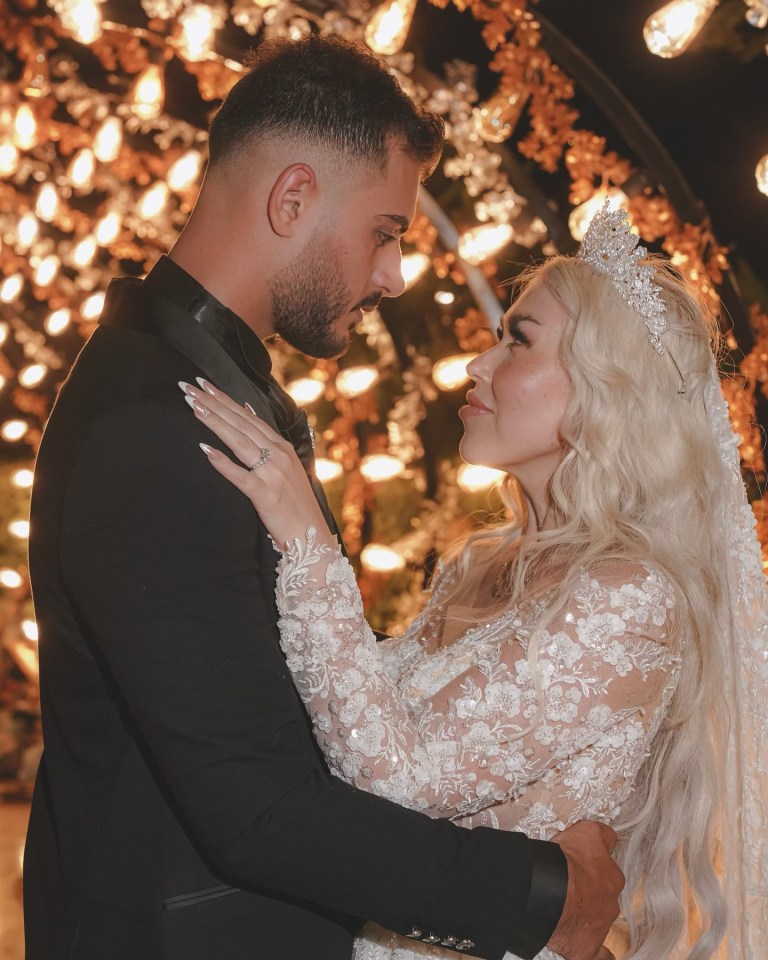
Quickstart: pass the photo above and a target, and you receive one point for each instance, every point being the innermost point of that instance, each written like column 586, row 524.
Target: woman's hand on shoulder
column 273, row 478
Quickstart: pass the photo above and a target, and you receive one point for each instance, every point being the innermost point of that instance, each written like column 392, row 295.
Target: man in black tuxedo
column 182, row 811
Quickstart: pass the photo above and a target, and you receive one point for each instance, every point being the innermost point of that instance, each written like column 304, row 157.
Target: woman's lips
column 473, row 407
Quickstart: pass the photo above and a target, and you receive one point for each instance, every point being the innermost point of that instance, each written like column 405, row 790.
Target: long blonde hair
column 639, row 479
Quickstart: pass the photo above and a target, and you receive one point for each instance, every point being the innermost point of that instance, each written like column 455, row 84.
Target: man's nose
column 388, row 275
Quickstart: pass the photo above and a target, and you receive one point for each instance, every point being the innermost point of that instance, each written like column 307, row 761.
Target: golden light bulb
column 761, row 175
column 93, row 306
column 355, row 381
column 472, row 477
column 82, row 168
column 3, row 381
column 19, row 529
column 185, row 170
column 83, row 19
column 451, row 372
column 149, row 92
column 3, row 333
column 198, row 24
column 108, row 228
column 84, row 251
column 497, row 118
column 413, row 267
column 11, row 288
column 14, row 429
column 47, row 203
column 481, row 243
column 29, row 629
column 306, row 390
column 9, row 158
column 672, row 29
column 28, row 230
column 25, row 127
column 380, row 559
column 381, row 466
column 327, row 470
column 388, row 27
column 46, row 270
column 10, row 578
column 22, row 478
column 58, row 321
column 153, row 201
column 444, row 297
column 581, row 216
column 108, row 140
column 36, row 79
column 32, row 374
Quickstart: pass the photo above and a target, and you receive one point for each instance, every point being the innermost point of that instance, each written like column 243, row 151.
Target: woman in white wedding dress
column 581, row 661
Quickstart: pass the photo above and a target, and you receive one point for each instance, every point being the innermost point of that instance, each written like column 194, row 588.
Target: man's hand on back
column 594, row 885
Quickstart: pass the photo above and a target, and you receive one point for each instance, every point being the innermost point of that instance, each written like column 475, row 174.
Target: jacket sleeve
column 166, row 563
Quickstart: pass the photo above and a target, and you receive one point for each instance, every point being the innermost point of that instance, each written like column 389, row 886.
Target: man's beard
column 308, row 297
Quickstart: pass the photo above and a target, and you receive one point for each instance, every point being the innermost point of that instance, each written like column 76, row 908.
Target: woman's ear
column 292, row 199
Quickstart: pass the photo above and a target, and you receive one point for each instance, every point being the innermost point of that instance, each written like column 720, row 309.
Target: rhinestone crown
column 611, row 248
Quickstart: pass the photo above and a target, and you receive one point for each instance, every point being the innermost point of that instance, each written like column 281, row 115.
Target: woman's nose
column 479, row 368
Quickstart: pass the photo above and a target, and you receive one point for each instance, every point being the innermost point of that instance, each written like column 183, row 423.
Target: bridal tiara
column 612, row 249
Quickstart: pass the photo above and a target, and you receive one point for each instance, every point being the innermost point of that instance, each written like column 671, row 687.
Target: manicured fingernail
column 197, row 407
column 205, row 385
column 186, row 387
column 249, row 407
column 209, row 451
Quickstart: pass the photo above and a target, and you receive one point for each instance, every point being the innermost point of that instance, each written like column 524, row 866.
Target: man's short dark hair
column 328, row 91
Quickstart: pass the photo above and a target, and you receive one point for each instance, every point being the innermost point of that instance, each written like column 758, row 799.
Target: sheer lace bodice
column 514, row 725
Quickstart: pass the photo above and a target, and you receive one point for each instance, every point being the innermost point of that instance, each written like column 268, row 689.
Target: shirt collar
column 168, row 279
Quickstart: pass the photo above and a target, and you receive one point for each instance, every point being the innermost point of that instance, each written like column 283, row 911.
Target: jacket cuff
column 546, row 899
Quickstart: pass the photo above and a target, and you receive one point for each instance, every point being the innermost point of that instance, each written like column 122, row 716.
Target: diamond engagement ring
column 266, row 453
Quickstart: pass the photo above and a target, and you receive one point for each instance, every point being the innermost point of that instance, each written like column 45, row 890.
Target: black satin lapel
column 192, row 341
column 189, row 338
column 128, row 306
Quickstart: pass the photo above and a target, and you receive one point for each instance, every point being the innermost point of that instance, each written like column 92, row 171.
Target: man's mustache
column 370, row 302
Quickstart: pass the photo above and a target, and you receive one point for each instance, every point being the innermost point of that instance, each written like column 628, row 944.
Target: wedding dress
column 478, row 731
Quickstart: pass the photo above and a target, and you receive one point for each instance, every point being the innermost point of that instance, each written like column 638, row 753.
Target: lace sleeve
column 604, row 670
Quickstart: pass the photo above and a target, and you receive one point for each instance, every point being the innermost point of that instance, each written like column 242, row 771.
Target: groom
column 182, row 811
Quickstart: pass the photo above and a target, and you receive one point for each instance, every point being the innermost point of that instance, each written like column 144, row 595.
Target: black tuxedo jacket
column 182, row 810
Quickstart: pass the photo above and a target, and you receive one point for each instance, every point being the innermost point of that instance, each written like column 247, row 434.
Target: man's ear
column 292, row 199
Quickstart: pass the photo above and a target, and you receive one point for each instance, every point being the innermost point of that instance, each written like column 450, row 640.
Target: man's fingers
column 609, row 837
column 607, row 834
column 604, row 954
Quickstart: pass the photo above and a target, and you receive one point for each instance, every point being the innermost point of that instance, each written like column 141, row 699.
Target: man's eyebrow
column 401, row 221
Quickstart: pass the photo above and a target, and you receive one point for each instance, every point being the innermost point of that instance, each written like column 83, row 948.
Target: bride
column 598, row 657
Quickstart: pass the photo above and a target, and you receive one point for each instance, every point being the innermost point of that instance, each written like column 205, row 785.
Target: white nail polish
column 184, row 386
column 197, row 406
column 206, row 449
column 204, row 385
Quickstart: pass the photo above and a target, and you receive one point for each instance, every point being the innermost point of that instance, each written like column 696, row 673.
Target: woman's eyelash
column 516, row 334
column 385, row 238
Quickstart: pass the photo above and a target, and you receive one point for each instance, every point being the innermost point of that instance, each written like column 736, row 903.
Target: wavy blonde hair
column 639, row 480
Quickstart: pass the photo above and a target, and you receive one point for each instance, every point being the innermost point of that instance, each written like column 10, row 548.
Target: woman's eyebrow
column 515, row 318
